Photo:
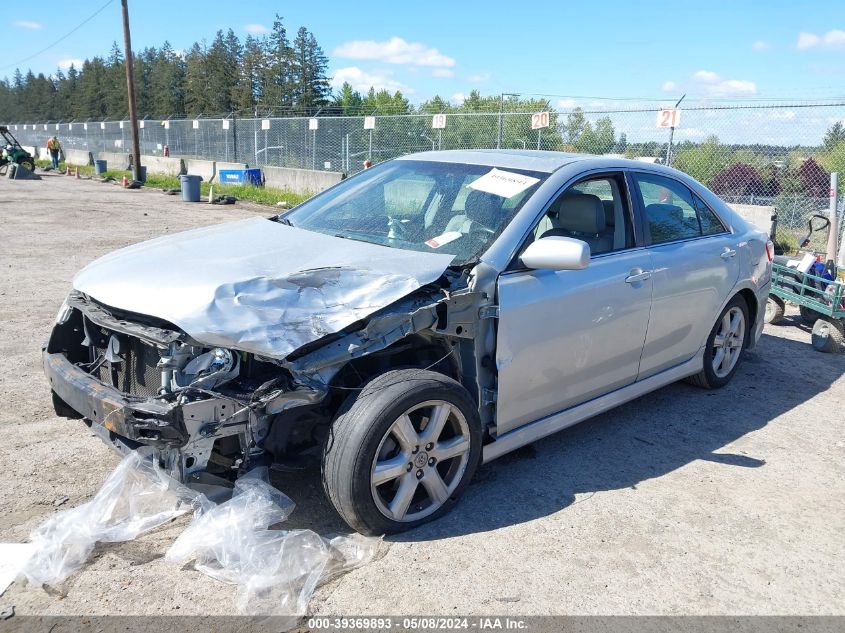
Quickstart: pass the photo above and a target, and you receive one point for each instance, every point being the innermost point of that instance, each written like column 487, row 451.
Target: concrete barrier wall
column 43, row 154
column 205, row 168
column 299, row 180
column 31, row 150
column 759, row 215
column 116, row 160
column 161, row 165
column 78, row 157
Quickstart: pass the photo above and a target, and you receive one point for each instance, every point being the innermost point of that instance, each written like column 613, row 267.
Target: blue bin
column 240, row 176
column 100, row 167
column 190, row 188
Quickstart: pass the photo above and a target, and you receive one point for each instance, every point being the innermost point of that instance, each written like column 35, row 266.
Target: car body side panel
column 692, row 280
column 565, row 337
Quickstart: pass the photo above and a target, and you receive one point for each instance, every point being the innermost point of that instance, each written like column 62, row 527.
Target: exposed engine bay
column 213, row 412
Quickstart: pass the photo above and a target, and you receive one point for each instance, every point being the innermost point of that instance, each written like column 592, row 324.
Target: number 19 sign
column 668, row 118
column 438, row 121
column 539, row 120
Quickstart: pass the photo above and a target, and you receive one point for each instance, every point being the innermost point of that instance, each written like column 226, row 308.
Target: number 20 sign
column 539, row 120
column 668, row 118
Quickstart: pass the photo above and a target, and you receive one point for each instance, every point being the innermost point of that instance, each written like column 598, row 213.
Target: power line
column 61, row 39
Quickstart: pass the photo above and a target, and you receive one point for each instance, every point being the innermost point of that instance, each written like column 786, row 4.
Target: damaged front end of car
column 213, row 412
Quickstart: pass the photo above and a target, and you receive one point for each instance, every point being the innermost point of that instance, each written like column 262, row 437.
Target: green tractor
column 12, row 151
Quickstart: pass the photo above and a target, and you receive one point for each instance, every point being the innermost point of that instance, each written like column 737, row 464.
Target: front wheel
column 28, row 163
column 828, row 334
column 402, row 452
column 724, row 347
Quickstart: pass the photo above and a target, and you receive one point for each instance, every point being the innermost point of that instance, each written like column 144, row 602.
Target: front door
column 565, row 337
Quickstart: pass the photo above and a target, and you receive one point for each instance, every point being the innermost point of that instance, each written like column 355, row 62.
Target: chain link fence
column 768, row 156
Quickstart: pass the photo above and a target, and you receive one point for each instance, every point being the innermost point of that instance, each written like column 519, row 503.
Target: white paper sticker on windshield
column 440, row 240
column 503, row 183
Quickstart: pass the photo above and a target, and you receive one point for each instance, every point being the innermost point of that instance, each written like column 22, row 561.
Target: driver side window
column 594, row 210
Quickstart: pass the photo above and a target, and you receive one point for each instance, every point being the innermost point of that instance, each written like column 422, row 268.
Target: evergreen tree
column 348, row 100
column 114, row 87
column 167, row 78
column 249, row 89
column 308, row 72
column 277, row 85
column 196, row 82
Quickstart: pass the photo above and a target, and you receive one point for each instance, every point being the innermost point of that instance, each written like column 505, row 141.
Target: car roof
column 530, row 160
column 535, row 160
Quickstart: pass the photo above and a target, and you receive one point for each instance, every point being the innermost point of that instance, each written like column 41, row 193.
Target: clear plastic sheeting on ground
column 137, row 497
column 276, row 571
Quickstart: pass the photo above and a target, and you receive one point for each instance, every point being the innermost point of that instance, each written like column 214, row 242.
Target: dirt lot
column 682, row 502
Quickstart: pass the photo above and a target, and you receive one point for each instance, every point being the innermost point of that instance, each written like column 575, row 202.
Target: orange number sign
column 668, row 118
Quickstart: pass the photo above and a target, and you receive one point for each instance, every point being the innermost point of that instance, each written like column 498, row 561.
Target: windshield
column 421, row 205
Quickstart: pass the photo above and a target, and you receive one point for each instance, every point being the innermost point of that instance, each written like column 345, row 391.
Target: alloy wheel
column 420, row 461
column 727, row 344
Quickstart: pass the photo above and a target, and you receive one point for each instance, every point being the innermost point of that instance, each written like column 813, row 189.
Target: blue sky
column 637, row 50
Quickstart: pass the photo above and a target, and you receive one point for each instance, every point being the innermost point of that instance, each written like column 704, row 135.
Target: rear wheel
column 402, row 452
column 28, row 163
column 775, row 308
column 724, row 346
column 828, row 335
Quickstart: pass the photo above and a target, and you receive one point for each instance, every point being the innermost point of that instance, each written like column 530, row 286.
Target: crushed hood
column 257, row 285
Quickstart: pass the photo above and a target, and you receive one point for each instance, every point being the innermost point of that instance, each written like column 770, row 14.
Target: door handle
column 635, row 277
column 727, row 253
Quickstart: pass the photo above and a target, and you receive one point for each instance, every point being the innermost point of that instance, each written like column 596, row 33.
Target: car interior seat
column 667, row 221
column 582, row 216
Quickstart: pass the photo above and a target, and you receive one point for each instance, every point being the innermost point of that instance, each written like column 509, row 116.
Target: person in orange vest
column 55, row 148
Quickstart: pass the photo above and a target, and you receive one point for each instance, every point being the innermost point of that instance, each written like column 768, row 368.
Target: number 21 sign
column 668, row 118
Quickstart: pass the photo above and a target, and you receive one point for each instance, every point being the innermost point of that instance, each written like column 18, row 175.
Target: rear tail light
column 770, row 250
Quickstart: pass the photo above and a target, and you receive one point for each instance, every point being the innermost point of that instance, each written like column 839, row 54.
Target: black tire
column 28, row 163
column 775, row 308
column 808, row 315
column 707, row 377
column 828, row 335
column 359, row 431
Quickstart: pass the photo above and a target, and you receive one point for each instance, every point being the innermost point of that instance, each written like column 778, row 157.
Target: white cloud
column 711, row 84
column 395, row 51
column 458, row 97
column 669, row 86
column 782, row 115
column 832, row 39
column 479, row 78
column 362, row 81
column 256, row 29
column 443, row 73
column 566, row 104
column 705, row 76
column 67, row 62
column 27, row 24
column 760, row 45
column 808, row 40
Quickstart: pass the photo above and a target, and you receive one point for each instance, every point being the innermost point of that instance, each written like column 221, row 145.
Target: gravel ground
column 682, row 502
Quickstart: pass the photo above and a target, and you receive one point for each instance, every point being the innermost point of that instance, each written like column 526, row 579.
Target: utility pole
column 130, row 91
column 501, row 117
column 672, row 136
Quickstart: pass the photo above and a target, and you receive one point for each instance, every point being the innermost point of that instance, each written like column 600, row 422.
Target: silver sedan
column 428, row 314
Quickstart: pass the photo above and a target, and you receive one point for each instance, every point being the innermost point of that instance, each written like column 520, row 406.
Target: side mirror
column 556, row 253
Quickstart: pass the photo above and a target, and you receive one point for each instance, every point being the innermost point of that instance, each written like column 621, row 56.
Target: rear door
column 567, row 336
column 695, row 266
